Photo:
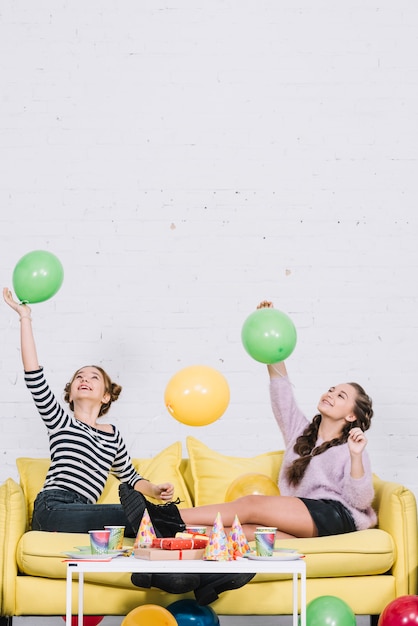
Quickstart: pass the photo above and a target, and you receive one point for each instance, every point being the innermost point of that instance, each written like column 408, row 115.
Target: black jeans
column 63, row 511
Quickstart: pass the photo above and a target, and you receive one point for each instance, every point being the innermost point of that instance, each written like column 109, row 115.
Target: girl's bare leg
column 288, row 514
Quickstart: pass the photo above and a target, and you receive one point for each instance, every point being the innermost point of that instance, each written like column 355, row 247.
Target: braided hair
column 113, row 389
column 305, row 443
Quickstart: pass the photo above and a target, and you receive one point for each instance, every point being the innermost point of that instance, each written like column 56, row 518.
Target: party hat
column 217, row 546
column 237, row 541
column 146, row 532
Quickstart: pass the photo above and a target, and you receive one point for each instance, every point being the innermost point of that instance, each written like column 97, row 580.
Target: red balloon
column 88, row 620
column 402, row 611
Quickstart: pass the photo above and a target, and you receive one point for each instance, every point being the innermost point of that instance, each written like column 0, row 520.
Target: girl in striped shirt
column 83, row 451
column 83, row 454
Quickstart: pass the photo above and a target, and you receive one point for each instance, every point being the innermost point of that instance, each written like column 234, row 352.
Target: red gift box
column 155, row 554
column 172, row 543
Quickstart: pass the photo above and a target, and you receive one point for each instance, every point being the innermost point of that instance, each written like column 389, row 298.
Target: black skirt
column 330, row 517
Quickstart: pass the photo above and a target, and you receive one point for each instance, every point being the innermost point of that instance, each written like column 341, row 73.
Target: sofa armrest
column 13, row 522
column 396, row 509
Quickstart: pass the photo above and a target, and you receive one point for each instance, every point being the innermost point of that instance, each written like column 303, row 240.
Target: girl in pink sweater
column 325, row 481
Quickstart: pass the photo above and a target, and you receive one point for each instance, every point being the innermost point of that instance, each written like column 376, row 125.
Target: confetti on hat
column 146, row 533
column 237, row 541
column 217, row 546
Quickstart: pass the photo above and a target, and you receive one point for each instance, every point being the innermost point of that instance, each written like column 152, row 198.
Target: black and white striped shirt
column 82, row 457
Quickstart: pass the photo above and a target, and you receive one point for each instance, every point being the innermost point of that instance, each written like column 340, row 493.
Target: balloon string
column 272, row 365
column 276, row 370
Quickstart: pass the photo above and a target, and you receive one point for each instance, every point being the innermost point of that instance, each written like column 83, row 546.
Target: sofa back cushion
column 210, row 473
column 164, row 467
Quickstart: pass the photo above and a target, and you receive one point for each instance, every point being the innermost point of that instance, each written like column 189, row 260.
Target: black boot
column 172, row 583
column 211, row 585
column 165, row 518
column 133, row 504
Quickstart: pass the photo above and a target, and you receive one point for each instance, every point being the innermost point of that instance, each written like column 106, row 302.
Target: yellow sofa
column 367, row 569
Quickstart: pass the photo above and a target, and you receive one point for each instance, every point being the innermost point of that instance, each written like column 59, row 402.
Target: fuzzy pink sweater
column 328, row 474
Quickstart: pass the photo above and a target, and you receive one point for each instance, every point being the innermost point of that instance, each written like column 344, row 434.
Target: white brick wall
column 185, row 160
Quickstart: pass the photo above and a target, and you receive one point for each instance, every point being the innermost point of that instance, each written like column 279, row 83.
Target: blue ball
column 190, row 613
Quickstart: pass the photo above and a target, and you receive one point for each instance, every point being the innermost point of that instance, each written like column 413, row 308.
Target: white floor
column 224, row 620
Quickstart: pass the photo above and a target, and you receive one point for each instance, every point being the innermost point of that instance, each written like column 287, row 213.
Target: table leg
column 303, row 599
column 80, row 598
column 69, row 594
column 295, row 600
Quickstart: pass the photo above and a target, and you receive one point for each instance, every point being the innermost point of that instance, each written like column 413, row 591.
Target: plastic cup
column 264, row 543
column 196, row 530
column 99, row 541
column 117, row 534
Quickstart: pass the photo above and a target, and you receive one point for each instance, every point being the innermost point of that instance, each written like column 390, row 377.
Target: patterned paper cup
column 196, row 530
column 99, row 541
column 117, row 534
column 264, row 543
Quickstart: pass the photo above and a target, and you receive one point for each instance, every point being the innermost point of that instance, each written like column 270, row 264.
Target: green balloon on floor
column 329, row 611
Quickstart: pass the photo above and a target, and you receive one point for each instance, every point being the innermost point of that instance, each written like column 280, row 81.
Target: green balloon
column 268, row 335
column 329, row 611
column 37, row 276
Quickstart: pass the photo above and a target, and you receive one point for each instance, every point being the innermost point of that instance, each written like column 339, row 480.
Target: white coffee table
column 130, row 564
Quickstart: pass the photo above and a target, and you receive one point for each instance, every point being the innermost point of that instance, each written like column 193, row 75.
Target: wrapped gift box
column 175, row 543
column 157, row 554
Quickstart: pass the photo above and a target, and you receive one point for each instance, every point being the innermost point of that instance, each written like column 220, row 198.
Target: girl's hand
column 265, row 304
column 22, row 309
column 357, row 441
column 165, row 491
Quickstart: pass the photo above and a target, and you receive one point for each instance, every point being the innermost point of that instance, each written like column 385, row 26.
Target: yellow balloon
column 251, row 484
column 197, row 395
column 148, row 614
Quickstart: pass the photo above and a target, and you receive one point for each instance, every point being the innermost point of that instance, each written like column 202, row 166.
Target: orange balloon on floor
column 197, row 395
column 251, row 484
column 148, row 614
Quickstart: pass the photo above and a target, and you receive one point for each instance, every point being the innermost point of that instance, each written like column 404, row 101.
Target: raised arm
column 27, row 341
column 275, row 370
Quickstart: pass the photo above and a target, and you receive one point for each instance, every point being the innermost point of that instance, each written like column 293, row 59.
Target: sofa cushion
column 212, row 472
column 41, row 553
column 164, row 467
column 365, row 552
